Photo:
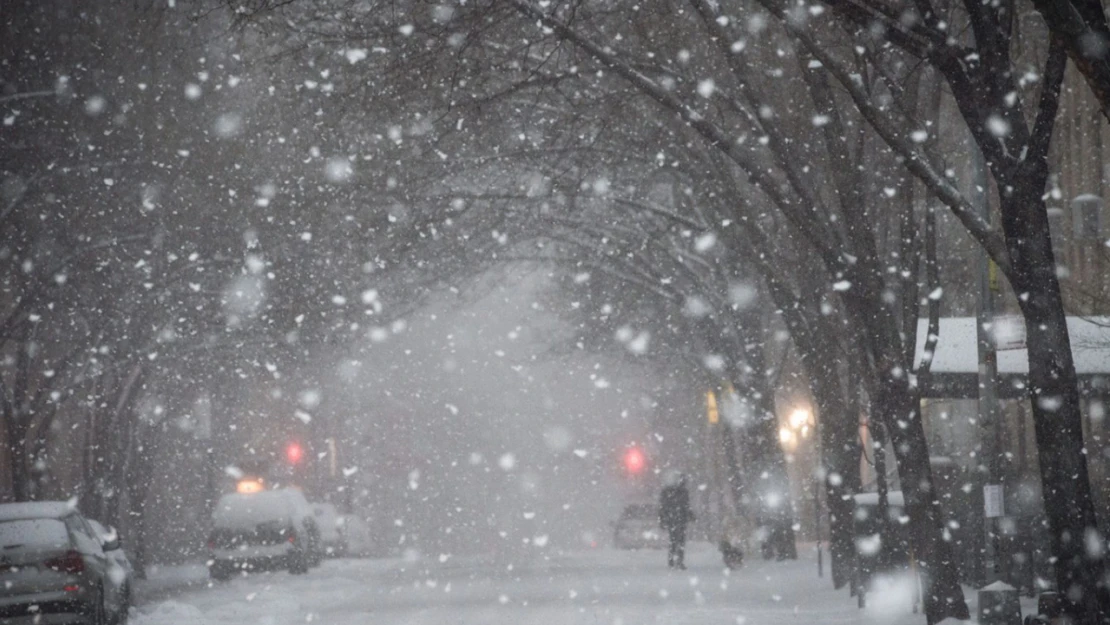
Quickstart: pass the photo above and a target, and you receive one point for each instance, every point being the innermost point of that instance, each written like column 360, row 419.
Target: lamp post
column 799, row 426
column 990, row 418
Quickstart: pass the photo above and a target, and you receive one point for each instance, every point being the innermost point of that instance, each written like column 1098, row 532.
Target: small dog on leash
column 733, row 556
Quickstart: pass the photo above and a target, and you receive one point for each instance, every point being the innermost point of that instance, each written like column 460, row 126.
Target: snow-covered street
column 603, row 586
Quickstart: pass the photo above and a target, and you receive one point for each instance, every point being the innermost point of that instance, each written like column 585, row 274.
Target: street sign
column 992, row 501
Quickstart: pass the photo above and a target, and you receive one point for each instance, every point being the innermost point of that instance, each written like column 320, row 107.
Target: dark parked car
column 53, row 568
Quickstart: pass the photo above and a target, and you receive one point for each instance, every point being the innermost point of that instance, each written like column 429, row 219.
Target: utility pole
column 990, row 449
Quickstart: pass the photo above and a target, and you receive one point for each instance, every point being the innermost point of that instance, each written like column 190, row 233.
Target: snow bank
column 172, row 612
column 35, row 510
column 894, row 498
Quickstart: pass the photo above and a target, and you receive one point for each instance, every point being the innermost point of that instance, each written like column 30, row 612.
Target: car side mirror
column 111, row 540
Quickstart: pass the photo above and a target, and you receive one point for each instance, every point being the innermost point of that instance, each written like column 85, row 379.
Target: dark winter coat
column 674, row 507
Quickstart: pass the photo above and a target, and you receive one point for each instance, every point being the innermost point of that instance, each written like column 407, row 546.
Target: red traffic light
column 634, row 460
column 294, row 453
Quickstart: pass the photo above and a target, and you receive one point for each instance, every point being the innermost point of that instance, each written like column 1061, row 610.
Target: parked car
column 327, row 519
column 52, row 567
column 120, row 572
column 638, row 528
column 268, row 530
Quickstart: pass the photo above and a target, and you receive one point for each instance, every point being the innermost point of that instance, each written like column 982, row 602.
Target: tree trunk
column 735, row 475
column 19, row 425
column 839, row 436
column 837, row 418
column 897, row 406
column 1054, row 392
column 136, row 502
column 119, row 439
column 20, row 463
column 887, row 545
column 838, row 425
column 900, row 411
column 765, row 450
column 135, row 481
column 1082, row 26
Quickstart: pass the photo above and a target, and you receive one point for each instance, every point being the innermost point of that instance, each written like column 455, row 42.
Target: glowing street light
column 787, row 437
column 798, row 426
column 800, row 418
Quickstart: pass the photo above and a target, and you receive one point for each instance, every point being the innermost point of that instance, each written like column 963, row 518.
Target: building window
column 1056, row 223
column 1086, row 216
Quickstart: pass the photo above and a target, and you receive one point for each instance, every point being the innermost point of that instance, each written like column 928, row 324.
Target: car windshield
column 246, row 511
column 33, row 533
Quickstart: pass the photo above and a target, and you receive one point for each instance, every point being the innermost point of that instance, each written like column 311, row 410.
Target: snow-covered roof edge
column 957, row 352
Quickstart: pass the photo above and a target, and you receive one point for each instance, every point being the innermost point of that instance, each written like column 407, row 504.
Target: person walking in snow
column 674, row 514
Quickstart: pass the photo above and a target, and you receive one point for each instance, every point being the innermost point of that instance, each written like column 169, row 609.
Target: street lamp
column 800, row 421
column 787, row 438
column 798, row 426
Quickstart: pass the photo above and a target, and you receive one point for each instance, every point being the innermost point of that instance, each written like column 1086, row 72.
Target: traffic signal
column 634, row 461
column 294, row 453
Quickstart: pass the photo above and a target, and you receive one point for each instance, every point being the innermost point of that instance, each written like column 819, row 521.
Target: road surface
column 601, row 586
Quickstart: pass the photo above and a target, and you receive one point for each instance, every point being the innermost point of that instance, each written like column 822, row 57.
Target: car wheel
column 124, row 607
column 298, row 563
column 102, row 613
column 219, row 572
column 98, row 612
column 766, row 550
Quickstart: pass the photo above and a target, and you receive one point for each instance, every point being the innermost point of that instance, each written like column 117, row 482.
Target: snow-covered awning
column 955, row 370
column 893, row 498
